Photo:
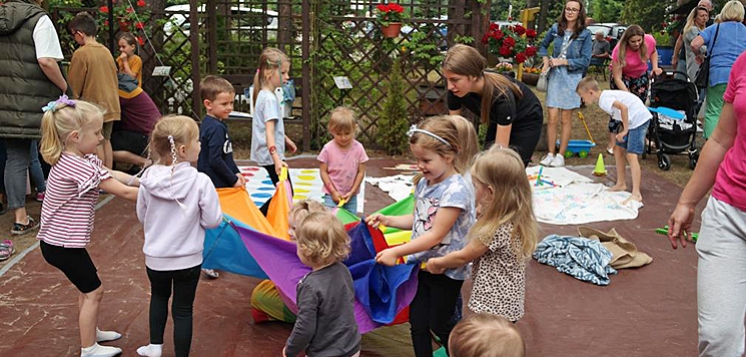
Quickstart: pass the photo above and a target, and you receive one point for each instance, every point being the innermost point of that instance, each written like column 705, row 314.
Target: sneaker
column 212, row 274
column 39, row 196
column 150, row 350
column 559, row 161
column 100, row 351
column 20, row 228
column 547, row 160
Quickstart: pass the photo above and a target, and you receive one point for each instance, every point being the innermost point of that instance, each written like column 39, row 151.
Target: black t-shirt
column 525, row 114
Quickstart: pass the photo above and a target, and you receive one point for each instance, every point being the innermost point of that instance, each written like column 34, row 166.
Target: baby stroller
column 668, row 134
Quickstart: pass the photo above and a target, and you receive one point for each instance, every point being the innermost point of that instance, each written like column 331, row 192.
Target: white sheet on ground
column 575, row 199
column 398, row 187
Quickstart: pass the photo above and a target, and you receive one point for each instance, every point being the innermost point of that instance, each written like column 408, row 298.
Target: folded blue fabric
column 582, row 258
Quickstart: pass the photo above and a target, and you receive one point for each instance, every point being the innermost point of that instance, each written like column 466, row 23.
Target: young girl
column 268, row 139
column 342, row 161
column 443, row 213
column 71, row 131
column 128, row 61
column 326, row 324
column 486, row 335
column 501, row 240
column 176, row 204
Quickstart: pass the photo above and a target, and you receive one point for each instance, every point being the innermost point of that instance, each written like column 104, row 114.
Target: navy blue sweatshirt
column 216, row 156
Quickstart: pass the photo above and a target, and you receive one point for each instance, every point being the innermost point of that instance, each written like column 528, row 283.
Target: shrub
column 394, row 120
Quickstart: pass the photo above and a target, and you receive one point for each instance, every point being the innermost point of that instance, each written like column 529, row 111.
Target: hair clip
column 257, row 70
column 413, row 129
column 63, row 99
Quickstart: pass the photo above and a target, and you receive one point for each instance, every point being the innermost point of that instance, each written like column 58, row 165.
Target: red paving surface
column 643, row 312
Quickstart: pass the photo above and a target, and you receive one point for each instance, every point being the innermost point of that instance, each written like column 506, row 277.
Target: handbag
column 702, row 80
column 126, row 82
column 543, row 83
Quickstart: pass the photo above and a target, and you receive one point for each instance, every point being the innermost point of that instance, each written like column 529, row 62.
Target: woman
column 511, row 110
column 721, row 270
column 629, row 69
column 695, row 23
column 573, row 47
column 729, row 44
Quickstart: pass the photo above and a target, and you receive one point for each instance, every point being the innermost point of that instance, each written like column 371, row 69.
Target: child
column 326, row 324
column 486, row 335
column 268, row 139
column 443, row 213
column 93, row 77
column 129, row 62
column 176, row 204
column 71, row 131
column 469, row 141
column 501, row 240
column 216, row 157
column 342, row 161
column 266, row 303
column 635, row 118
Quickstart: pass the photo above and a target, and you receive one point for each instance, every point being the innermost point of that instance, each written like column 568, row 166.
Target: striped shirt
column 72, row 193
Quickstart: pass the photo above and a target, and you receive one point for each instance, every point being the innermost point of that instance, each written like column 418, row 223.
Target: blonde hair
column 301, row 210
column 692, row 16
column 271, row 59
column 181, row 128
column 322, row 239
column 342, row 120
column 467, row 137
column 586, row 84
column 732, row 11
column 211, row 86
column 502, row 170
column 632, row 30
column 467, row 61
column 59, row 123
column 486, row 335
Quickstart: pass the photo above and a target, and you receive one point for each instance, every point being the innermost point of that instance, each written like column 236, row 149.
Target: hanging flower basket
column 392, row 30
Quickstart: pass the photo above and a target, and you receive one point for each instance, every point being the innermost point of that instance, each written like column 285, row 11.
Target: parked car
column 244, row 18
column 612, row 31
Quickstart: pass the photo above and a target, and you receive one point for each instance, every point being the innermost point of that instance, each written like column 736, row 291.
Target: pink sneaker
column 39, row 197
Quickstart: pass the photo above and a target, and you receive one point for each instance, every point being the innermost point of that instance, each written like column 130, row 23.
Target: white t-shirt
column 267, row 108
column 638, row 112
column 45, row 39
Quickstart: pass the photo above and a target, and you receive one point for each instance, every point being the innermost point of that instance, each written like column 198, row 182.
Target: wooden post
column 194, row 40
column 212, row 36
column 308, row 19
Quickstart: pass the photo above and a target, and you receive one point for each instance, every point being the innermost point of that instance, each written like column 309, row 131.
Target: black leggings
column 432, row 310
column 184, row 284
column 273, row 176
column 524, row 141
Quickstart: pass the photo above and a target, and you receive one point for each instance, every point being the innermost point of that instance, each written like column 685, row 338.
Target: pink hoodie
column 175, row 207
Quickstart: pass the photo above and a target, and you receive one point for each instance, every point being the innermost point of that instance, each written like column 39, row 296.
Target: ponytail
column 51, row 145
column 495, row 81
column 271, row 59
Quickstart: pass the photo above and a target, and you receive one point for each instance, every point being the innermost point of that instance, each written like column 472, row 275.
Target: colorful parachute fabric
column 252, row 248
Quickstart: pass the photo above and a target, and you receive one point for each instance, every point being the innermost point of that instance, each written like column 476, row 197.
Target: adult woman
column 729, row 44
column 721, row 270
column 629, row 69
column 695, row 23
column 573, row 47
column 511, row 110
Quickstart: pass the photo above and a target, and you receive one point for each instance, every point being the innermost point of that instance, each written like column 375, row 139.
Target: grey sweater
column 325, row 326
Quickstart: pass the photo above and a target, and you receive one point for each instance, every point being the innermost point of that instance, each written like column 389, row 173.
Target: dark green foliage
column 394, row 120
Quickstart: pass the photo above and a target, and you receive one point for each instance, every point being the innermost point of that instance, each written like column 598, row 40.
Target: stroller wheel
column 692, row 162
column 664, row 162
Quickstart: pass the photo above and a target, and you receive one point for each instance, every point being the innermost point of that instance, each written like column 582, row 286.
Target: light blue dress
column 562, row 84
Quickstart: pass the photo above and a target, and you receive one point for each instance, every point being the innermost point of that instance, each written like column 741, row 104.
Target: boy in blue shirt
column 216, row 156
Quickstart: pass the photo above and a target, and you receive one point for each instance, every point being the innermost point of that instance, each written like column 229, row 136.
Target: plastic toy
column 664, row 231
column 600, row 169
column 580, row 147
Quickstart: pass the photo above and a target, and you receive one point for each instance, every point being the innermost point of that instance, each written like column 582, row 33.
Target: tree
column 606, row 10
column 648, row 14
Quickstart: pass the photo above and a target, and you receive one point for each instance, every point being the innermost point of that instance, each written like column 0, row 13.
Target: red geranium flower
column 140, row 40
column 520, row 58
column 530, row 51
column 104, row 9
column 531, row 33
column 130, row 10
column 141, row 3
column 520, row 30
column 140, row 26
column 505, row 51
column 382, row 8
column 509, row 42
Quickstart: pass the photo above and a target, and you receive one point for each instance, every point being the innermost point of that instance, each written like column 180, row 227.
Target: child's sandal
column 6, row 249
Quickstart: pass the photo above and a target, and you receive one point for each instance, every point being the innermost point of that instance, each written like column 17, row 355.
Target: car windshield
column 594, row 28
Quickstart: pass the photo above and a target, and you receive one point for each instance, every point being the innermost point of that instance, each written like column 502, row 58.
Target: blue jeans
column 350, row 205
column 634, row 142
column 37, row 175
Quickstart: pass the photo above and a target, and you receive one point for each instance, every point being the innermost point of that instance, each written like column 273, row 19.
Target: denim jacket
column 579, row 53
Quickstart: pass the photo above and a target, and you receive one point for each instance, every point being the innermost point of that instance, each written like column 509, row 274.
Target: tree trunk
column 543, row 16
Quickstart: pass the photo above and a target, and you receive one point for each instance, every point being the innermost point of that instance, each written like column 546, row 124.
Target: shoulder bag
column 703, row 74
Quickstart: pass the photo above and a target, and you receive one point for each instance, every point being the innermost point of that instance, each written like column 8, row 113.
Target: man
column 678, row 62
column 601, row 49
column 31, row 78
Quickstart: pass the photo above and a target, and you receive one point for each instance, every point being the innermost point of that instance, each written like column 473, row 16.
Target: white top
column 638, row 112
column 267, row 108
column 46, row 41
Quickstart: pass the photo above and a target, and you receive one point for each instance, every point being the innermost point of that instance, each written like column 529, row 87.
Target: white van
column 245, row 19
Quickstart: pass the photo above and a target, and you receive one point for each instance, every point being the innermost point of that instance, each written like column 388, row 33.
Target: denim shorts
column 351, row 205
column 634, row 142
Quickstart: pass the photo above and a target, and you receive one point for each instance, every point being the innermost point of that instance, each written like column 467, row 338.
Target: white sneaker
column 150, row 350
column 559, row 161
column 547, row 160
column 100, row 351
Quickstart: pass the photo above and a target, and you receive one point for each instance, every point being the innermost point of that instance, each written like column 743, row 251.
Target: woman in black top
column 512, row 111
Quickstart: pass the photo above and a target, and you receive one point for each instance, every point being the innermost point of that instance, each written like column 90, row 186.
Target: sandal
column 610, row 151
column 6, row 249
